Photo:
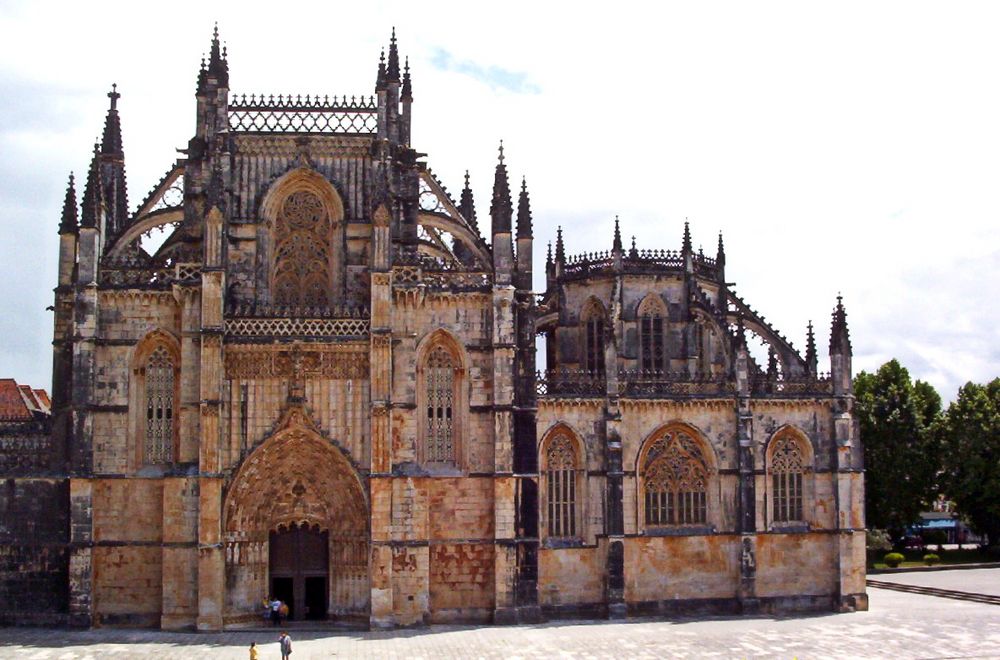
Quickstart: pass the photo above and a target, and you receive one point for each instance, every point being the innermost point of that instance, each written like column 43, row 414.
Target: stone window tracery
column 652, row 357
column 675, row 481
column 593, row 339
column 440, row 406
column 159, row 437
column 787, row 467
column 561, row 496
column 301, row 274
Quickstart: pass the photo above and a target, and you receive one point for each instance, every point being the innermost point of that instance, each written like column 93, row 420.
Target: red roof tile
column 13, row 407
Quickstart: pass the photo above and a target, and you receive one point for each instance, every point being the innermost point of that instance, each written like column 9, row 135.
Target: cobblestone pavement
column 899, row 625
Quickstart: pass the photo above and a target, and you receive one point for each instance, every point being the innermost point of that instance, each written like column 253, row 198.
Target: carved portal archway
column 296, row 480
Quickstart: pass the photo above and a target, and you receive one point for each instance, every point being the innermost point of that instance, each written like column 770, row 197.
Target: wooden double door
column 300, row 570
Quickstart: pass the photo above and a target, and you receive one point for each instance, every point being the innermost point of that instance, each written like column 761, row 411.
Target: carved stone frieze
column 348, row 362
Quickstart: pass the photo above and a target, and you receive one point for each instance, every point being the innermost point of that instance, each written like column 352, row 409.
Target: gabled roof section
column 13, row 406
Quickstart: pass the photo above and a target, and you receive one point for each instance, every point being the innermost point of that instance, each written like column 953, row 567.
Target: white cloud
column 847, row 147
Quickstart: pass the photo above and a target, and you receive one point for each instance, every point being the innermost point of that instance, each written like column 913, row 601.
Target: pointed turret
column 560, row 248
column 840, row 339
column 112, row 169
column 501, row 212
column 68, row 230
column 392, row 71
column 524, row 239
column 722, row 298
column 407, row 92
column 218, row 66
column 524, row 212
column 501, row 207
column 720, row 253
column 111, row 140
column 467, row 205
column 812, row 361
column 686, row 243
column 616, row 243
column 380, row 81
column 633, row 252
column 840, row 351
column 91, row 204
column 69, row 223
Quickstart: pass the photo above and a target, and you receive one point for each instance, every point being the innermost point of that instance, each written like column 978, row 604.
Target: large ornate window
column 675, row 480
column 592, row 319
column 788, row 461
column 154, row 401
column 651, row 353
column 561, row 498
column 301, row 274
column 439, row 407
column 159, row 446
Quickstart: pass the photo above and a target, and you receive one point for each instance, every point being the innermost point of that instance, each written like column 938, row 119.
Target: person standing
column 276, row 612
column 254, row 654
column 286, row 645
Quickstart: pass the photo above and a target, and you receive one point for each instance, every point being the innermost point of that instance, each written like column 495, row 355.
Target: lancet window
column 593, row 338
column 439, row 433
column 675, row 481
column 652, row 357
column 561, row 487
column 301, row 274
column 788, row 464
column 159, row 381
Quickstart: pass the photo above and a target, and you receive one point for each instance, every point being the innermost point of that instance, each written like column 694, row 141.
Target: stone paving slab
column 899, row 625
column 974, row 580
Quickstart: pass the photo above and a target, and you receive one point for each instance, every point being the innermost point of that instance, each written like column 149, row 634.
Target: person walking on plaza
column 286, row 645
column 254, row 654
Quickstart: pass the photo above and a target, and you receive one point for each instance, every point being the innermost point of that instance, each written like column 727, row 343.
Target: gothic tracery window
column 651, row 354
column 440, row 406
column 593, row 339
column 787, row 467
column 159, row 439
column 675, row 481
column 301, row 268
column 560, row 494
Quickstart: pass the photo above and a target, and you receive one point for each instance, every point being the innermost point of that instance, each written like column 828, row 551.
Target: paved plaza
column 898, row 625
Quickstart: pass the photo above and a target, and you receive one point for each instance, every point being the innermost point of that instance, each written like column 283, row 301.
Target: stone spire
column 686, row 244
column 91, row 206
column 616, row 244
column 68, row 224
column 633, row 252
column 111, row 140
column 524, row 212
column 840, row 338
column 560, row 249
column 501, row 208
column 407, row 91
column 114, row 187
column 218, row 65
column 812, row 362
column 392, row 72
column 380, row 79
column 720, row 253
column 467, row 205
column 548, row 255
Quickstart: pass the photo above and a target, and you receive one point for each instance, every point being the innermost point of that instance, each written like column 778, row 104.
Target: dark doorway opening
column 299, row 563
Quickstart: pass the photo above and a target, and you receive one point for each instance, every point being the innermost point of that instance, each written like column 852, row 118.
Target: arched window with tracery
column 652, row 356
column 593, row 338
column 439, row 433
column 159, row 394
column 675, row 481
column 788, row 461
column 301, row 271
column 560, row 474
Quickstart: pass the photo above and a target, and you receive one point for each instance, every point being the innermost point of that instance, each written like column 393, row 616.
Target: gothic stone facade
column 322, row 387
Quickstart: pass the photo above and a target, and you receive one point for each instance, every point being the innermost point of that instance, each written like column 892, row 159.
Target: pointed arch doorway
column 296, row 529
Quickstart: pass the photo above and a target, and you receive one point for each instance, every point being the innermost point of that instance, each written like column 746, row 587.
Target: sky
column 848, row 147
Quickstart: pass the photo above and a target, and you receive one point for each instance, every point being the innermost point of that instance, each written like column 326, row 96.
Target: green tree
column 897, row 420
column 970, row 434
